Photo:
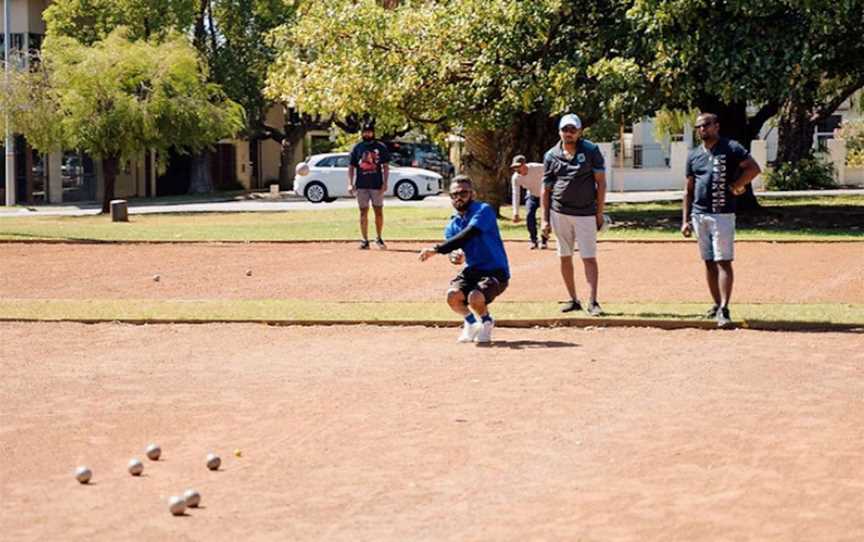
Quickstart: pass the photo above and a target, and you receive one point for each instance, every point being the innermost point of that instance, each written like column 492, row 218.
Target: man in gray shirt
column 574, row 193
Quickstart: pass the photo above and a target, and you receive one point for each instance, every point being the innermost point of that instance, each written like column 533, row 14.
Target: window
column 343, row 161
column 330, row 161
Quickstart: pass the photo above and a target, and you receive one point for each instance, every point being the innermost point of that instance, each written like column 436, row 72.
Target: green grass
column 288, row 310
column 838, row 218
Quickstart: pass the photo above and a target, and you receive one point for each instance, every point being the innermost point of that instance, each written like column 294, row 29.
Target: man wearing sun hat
column 572, row 201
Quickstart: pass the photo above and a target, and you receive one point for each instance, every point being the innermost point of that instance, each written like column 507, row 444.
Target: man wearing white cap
column 528, row 175
column 572, row 200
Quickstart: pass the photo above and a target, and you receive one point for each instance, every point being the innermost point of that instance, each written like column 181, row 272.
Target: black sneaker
column 723, row 318
column 533, row 245
column 544, row 243
column 572, row 305
column 380, row 244
column 364, row 244
column 711, row 313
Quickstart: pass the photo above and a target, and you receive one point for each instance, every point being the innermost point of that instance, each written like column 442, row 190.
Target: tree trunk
column 795, row 133
column 201, row 180
column 486, row 162
column 109, row 171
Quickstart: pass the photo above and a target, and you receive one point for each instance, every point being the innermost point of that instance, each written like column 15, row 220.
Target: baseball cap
column 570, row 120
column 368, row 126
column 518, row 160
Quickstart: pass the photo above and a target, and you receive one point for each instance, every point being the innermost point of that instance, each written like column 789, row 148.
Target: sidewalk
column 226, row 203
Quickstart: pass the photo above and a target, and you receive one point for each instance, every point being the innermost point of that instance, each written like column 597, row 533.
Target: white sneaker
column 469, row 332
column 485, row 334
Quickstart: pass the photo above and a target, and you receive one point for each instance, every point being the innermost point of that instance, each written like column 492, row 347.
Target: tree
column 231, row 35
column 498, row 70
column 117, row 98
column 750, row 60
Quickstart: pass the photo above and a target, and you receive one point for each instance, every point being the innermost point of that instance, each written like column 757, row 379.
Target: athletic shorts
column 490, row 283
column 365, row 196
column 716, row 236
column 575, row 231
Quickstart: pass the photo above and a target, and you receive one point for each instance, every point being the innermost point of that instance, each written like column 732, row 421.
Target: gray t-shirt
column 571, row 179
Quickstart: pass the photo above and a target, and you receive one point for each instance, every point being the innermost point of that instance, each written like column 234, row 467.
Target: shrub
column 853, row 133
column 808, row 174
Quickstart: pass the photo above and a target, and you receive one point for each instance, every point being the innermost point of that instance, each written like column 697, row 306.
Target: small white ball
column 135, row 467
column 177, row 505
column 83, row 474
column 457, row 257
column 153, row 451
column 213, row 461
column 192, row 498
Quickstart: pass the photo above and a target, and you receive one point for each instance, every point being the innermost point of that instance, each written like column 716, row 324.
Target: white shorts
column 716, row 235
column 573, row 231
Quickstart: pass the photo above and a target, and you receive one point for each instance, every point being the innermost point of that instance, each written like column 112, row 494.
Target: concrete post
column 678, row 162
column 837, row 151
column 759, row 152
column 608, row 157
column 688, row 134
column 55, row 177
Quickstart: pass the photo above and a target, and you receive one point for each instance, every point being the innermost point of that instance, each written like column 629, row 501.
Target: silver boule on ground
column 83, row 474
column 192, row 498
column 177, row 505
column 136, row 467
column 213, row 461
column 153, row 451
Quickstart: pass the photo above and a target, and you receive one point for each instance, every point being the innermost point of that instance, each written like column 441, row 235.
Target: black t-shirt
column 714, row 171
column 368, row 158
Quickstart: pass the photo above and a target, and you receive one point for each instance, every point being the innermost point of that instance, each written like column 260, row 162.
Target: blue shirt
column 484, row 252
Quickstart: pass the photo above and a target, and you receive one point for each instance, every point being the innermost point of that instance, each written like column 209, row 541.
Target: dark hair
column 709, row 117
column 462, row 179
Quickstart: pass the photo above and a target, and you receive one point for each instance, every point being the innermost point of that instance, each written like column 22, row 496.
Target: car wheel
column 315, row 192
column 406, row 190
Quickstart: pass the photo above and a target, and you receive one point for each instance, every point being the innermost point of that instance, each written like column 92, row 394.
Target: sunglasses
column 569, row 130
column 460, row 194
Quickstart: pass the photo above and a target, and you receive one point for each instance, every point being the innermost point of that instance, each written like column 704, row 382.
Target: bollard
column 274, row 190
column 119, row 210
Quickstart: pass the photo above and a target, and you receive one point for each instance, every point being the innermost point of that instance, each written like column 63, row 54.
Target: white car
column 324, row 177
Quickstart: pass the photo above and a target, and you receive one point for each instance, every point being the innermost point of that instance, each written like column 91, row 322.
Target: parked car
column 324, row 177
column 422, row 155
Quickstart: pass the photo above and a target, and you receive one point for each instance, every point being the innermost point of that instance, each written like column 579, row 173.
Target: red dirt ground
column 630, row 272
column 366, row 433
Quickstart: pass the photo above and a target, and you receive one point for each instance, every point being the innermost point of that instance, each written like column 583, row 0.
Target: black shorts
column 490, row 283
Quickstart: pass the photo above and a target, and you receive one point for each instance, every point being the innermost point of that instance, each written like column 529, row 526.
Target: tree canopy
column 117, row 98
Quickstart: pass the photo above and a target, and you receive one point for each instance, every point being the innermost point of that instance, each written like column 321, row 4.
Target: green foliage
column 808, row 174
column 117, row 98
column 468, row 63
column 853, row 134
column 89, row 21
column 668, row 122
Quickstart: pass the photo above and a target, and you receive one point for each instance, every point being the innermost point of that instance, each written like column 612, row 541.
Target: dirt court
column 629, row 272
column 368, row 433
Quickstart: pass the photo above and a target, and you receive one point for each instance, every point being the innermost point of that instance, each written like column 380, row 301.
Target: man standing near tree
column 368, row 173
column 528, row 175
column 718, row 171
column 574, row 194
